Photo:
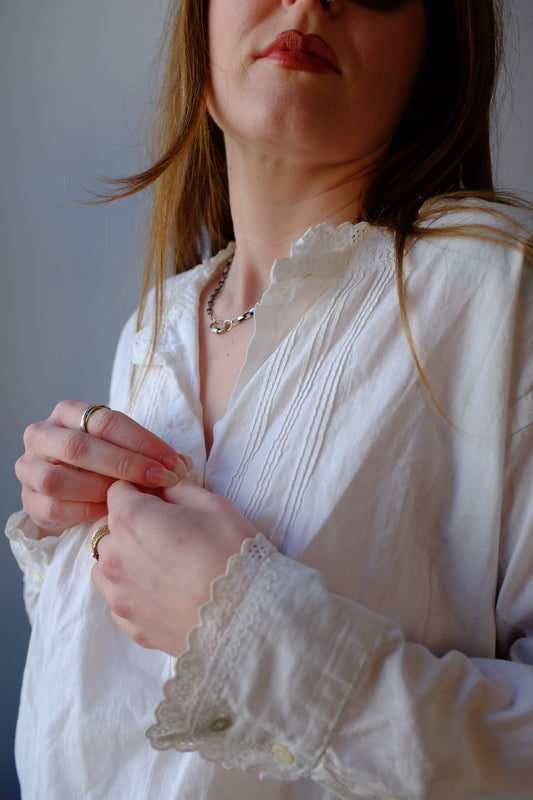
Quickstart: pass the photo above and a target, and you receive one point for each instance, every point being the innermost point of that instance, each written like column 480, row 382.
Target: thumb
column 186, row 493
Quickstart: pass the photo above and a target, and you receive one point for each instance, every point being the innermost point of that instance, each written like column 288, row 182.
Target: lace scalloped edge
column 327, row 236
column 177, row 715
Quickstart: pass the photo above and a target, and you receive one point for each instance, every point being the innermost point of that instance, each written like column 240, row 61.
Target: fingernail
column 163, row 478
column 180, row 469
column 188, row 462
column 169, row 460
column 175, row 463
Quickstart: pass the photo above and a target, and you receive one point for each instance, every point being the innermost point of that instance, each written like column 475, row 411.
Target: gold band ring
column 88, row 413
column 95, row 538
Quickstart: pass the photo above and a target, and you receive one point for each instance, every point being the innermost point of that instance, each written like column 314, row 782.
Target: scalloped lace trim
column 184, row 714
column 327, row 237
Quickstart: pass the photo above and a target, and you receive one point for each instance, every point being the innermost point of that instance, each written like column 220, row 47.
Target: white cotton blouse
column 376, row 639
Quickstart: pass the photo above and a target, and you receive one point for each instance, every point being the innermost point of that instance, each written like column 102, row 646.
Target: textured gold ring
column 95, row 538
column 89, row 411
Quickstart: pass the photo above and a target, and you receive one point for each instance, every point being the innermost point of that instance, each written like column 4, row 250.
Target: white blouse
column 376, row 640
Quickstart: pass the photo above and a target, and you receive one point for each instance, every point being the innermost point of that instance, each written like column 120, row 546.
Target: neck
column 273, row 203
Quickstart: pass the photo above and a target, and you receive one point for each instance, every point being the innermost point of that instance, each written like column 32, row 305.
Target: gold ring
column 86, row 414
column 95, row 538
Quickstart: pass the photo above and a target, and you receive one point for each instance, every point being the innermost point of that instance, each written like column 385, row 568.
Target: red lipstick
column 298, row 51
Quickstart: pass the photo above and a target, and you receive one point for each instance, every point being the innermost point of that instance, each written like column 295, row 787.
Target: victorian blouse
column 376, row 639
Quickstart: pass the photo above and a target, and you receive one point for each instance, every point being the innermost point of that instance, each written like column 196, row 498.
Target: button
column 280, row 288
column 35, row 576
column 220, row 724
column 282, row 754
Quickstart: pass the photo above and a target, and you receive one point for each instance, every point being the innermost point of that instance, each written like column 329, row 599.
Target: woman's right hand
column 65, row 473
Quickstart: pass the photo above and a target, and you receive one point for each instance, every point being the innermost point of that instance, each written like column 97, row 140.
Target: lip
column 296, row 50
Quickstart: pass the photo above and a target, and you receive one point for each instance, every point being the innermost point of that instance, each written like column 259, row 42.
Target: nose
column 331, row 7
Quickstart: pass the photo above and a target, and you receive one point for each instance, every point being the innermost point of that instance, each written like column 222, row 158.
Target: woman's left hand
column 156, row 566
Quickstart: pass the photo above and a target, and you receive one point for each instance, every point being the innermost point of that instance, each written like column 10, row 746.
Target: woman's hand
column 65, row 473
column 156, row 565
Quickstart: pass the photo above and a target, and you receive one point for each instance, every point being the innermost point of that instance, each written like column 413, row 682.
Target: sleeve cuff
column 188, row 718
column 33, row 555
column 268, row 670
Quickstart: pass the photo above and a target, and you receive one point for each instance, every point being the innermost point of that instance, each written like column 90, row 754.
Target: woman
column 321, row 436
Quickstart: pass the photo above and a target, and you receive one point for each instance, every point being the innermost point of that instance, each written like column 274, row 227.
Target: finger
column 77, row 449
column 109, row 574
column 55, row 516
column 189, row 494
column 129, row 507
column 119, row 429
column 54, row 479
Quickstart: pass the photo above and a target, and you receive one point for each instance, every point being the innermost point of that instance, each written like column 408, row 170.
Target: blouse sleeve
column 33, row 555
column 121, row 376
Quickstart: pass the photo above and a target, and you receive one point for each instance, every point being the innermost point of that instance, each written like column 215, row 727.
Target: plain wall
column 73, row 78
column 73, row 81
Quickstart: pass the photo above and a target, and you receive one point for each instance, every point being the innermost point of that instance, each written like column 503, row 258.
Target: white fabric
column 380, row 645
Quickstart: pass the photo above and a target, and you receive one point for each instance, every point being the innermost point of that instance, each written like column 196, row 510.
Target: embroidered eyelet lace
column 186, row 718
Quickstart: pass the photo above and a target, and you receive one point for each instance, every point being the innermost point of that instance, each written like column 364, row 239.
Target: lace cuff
column 33, row 555
column 268, row 671
column 187, row 719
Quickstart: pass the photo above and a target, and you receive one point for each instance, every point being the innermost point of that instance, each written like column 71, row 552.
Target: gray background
column 73, row 81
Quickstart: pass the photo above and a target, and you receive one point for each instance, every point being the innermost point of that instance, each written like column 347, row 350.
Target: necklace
column 219, row 325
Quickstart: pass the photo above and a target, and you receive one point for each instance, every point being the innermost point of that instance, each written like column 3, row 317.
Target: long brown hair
column 441, row 148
